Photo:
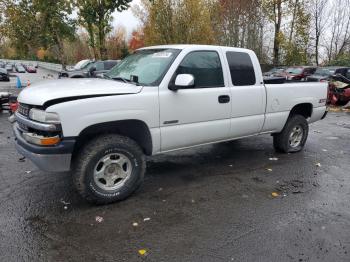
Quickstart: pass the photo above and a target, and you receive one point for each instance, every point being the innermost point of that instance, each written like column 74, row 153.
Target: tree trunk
column 61, row 52
column 92, row 42
column 293, row 21
column 276, row 42
column 102, row 40
column 316, row 49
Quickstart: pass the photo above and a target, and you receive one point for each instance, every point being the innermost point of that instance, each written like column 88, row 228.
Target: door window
column 206, row 68
column 241, row 69
column 99, row 66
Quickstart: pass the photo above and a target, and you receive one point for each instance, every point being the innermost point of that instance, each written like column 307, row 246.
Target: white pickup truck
column 159, row 99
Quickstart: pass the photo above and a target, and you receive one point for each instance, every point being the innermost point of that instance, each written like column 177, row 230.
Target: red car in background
column 30, row 69
column 298, row 73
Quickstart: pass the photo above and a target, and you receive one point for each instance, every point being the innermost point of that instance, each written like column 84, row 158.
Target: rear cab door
column 199, row 114
column 248, row 93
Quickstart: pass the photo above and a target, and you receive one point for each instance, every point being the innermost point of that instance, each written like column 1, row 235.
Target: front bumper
column 51, row 159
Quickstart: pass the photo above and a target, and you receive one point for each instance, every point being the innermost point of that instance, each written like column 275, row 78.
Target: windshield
column 324, row 71
column 81, row 64
column 294, row 70
column 148, row 66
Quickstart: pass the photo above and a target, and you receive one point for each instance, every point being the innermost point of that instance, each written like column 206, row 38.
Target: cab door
column 198, row 114
column 248, row 93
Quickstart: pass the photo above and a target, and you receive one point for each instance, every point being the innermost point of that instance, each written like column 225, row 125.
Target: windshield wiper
column 118, row 78
column 125, row 80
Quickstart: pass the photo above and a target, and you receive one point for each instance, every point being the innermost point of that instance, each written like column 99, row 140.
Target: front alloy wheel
column 109, row 168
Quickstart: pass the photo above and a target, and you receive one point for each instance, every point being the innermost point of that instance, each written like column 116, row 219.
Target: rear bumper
column 51, row 159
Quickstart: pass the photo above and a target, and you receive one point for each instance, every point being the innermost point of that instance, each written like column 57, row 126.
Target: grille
column 23, row 110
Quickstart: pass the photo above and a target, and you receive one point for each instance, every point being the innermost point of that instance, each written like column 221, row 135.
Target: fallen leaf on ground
column 99, row 219
column 274, row 194
column 142, row 252
column 135, row 224
column 146, row 219
column 269, row 169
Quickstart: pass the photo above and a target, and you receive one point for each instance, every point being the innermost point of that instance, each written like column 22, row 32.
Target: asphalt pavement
column 211, row 203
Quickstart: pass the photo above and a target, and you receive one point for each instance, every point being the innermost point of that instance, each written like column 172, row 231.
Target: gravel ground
column 212, row 203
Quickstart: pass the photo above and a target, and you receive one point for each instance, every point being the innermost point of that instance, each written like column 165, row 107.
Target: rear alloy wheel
column 293, row 136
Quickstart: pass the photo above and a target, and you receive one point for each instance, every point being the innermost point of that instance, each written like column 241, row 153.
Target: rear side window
column 110, row 64
column 206, row 68
column 241, row 69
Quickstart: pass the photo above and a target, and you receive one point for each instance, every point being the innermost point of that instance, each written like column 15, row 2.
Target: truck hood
column 42, row 92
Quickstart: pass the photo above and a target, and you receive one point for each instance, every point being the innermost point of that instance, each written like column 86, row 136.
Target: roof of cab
column 184, row 46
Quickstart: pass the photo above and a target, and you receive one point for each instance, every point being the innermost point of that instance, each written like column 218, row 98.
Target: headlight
column 44, row 117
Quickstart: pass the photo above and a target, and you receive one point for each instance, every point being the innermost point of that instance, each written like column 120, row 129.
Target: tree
column 297, row 45
column 318, row 13
column 274, row 11
column 55, row 25
column 239, row 25
column 339, row 29
column 137, row 40
column 182, row 21
column 96, row 15
column 19, row 18
column 116, row 43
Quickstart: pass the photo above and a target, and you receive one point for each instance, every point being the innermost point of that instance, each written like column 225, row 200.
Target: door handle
column 224, row 99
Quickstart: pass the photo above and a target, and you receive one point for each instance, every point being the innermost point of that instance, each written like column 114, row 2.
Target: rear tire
column 108, row 169
column 293, row 137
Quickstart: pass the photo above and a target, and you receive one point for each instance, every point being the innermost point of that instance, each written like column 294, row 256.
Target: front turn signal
column 41, row 140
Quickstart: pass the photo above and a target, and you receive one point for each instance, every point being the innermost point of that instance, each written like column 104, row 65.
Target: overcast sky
column 126, row 18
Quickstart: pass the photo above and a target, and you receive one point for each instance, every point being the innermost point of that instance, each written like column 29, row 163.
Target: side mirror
column 182, row 81
column 92, row 69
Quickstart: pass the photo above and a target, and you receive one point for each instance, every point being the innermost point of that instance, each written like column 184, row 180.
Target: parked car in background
column 101, row 67
column 4, row 75
column 274, row 72
column 80, row 66
column 30, row 69
column 2, row 64
column 298, row 73
column 339, row 89
column 20, row 68
column 9, row 67
column 92, row 69
column 324, row 73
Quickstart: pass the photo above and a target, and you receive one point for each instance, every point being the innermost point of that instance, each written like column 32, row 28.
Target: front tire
column 293, row 136
column 109, row 169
